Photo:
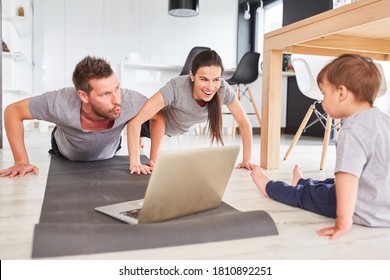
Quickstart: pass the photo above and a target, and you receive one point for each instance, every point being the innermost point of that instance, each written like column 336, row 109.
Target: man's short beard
column 106, row 116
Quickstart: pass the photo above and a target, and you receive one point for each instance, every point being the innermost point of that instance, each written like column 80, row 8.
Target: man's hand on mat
column 19, row 169
column 246, row 164
column 140, row 169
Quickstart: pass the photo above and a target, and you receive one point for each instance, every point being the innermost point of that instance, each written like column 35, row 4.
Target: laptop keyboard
column 132, row 213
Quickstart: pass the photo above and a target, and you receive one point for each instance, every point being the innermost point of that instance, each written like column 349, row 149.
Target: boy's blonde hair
column 357, row 73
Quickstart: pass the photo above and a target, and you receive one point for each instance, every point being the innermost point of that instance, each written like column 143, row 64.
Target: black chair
column 247, row 72
column 187, row 65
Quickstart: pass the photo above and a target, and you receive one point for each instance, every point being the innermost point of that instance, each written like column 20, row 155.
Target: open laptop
column 183, row 182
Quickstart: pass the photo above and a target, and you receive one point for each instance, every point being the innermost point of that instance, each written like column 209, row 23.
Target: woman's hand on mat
column 19, row 169
column 343, row 225
column 246, row 164
column 140, row 169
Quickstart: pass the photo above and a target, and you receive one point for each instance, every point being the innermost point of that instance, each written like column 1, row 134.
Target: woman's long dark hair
column 211, row 58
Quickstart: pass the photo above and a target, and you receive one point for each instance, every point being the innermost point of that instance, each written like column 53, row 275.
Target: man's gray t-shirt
column 181, row 109
column 62, row 107
column 363, row 150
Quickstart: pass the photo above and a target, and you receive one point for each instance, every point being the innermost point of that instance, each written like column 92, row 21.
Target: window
column 269, row 19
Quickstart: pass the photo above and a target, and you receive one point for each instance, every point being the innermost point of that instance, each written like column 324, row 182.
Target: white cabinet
column 17, row 63
column 17, row 68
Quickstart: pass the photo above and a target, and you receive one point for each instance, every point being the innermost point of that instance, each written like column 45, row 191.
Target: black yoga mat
column 69, row 225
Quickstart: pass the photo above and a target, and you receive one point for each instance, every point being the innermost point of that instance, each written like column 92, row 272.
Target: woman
column 184, row 102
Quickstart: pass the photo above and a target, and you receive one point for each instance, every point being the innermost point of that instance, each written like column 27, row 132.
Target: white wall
column 139, row 31
column 67, row 30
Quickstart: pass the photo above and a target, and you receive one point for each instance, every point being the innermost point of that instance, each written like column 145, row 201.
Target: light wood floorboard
column 21, row 201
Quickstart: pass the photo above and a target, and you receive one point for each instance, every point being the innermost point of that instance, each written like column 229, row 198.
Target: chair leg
column 198, row 130
column 338, row 127
column 300, row 130
column 326, row 141
column 234, row 121
column 254, row 105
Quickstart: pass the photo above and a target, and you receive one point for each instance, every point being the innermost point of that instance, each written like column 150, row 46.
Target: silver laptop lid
column 187, row 181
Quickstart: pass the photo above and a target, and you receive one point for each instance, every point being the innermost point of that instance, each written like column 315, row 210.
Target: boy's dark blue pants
column 312, row 195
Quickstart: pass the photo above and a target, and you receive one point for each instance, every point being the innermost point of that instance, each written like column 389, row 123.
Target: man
column 89, row 117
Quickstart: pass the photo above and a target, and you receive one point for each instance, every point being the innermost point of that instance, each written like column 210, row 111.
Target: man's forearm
column 15, row 134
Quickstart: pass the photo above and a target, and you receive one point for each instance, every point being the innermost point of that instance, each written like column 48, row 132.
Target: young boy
column 360, row 191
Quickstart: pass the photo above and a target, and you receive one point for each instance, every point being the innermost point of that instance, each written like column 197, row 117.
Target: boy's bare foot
column 260, row 179
column 297, row 174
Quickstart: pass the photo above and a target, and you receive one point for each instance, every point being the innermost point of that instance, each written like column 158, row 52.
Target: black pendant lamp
column 183, row 8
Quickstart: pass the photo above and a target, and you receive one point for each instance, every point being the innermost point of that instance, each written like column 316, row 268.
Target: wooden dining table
column 362, row 27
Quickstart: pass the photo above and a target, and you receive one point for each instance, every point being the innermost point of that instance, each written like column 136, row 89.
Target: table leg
column 271, row 108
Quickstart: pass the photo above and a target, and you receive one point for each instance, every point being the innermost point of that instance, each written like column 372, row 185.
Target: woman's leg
column 145, row 132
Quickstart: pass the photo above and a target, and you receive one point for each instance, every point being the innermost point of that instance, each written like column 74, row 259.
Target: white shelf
column 16, row 56
column 18, row 91
column 151, row 66
column 20, row 24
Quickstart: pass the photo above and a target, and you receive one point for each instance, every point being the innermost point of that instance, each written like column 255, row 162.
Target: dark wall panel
column 296, row 10
column 246, row 29
column 297, row 103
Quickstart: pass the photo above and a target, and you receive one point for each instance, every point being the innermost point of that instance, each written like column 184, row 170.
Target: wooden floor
column 21, row 201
